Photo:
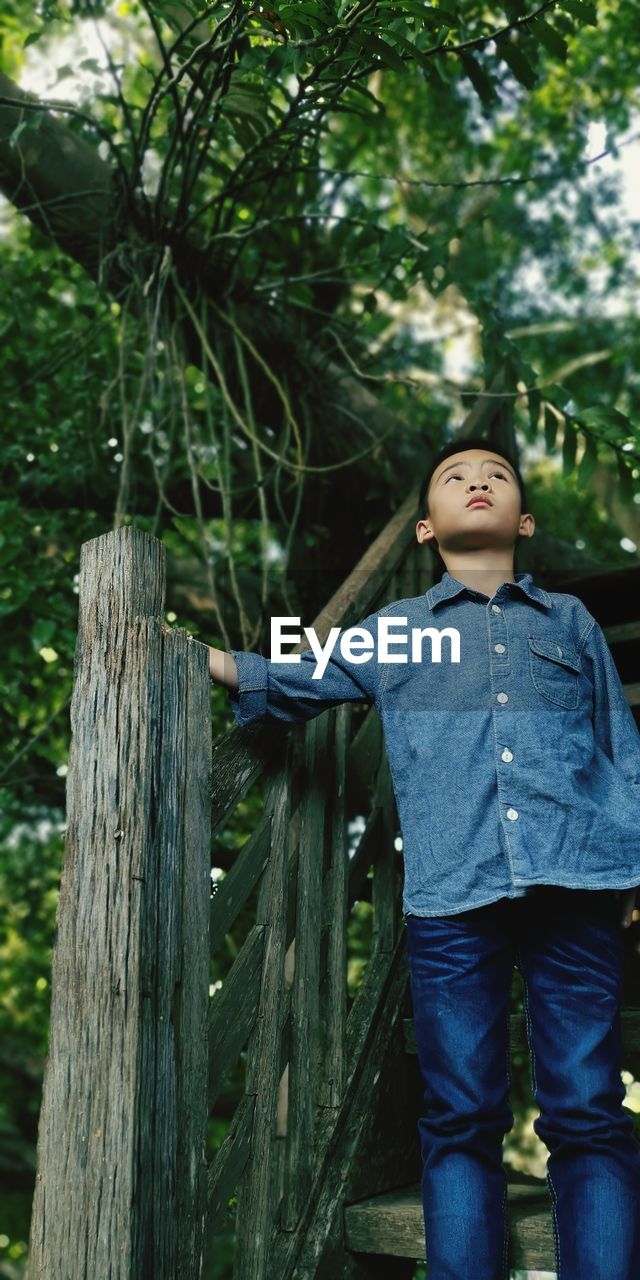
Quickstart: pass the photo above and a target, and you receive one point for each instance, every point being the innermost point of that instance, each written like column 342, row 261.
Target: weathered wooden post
column 121, row 1182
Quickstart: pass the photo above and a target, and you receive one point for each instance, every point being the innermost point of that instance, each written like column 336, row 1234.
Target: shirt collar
column 448, row 587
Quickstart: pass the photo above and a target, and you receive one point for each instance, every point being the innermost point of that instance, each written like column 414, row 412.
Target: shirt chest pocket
column 555, row 670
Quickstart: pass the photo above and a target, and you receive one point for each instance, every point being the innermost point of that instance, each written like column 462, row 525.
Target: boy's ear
column 424, row 532
column 527, row 525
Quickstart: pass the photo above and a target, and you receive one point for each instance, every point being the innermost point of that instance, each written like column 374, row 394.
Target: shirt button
column 499, row 648
column 512, row 813
column 559, row 650
column 496, row 608
column 503, row 697
column 507, row 755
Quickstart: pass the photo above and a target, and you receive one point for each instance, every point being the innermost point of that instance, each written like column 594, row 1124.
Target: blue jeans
column 568, row 945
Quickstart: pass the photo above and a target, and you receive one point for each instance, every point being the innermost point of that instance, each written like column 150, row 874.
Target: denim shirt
column 517, row 766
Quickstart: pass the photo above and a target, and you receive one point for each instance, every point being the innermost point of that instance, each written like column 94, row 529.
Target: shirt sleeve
column 614, row 727
column 289, row 692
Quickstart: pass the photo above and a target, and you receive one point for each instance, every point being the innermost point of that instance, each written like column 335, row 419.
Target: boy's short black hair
column 461, row 446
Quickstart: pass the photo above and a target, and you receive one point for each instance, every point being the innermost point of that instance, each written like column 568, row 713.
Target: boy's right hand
column 223, row 668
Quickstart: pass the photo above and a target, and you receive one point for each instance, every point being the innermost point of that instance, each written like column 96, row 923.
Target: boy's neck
column 483, row 572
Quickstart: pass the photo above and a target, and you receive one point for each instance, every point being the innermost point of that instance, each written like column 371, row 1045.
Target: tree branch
column 59, row 182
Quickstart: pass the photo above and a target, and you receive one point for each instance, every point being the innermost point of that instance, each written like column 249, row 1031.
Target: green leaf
column 550, row 428
column 277, row 60
column 431, row 16
column 479, row 79
column 613, row 424
column 535, row 400
column 583, row 10
column 379, row 48
column 289, row 12
column 378, row 107
column 42, row 632
column 300, row 61
column 569, row 445
column 433, row 13
column 523, row 372
column 413, row 52
column 551, row 39
column 247, row 100
column 514, row 9
column 31, row 38
column 512, row 54
column 626, row 480
column 588, row 461
column 558, row 395
column 15, row 136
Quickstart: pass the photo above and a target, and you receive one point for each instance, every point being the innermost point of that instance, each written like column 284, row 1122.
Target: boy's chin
column 479, row 540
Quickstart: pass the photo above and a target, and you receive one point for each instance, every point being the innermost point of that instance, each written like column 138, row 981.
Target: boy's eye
column 456, row 476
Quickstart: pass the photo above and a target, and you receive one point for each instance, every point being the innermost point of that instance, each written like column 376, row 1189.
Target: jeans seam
column 505, row 1251
column 534, row 1085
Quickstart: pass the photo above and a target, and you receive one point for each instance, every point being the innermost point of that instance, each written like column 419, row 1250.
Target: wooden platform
column 393, row 1224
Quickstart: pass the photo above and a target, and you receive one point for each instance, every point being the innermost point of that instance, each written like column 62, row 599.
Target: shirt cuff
column 249, row 701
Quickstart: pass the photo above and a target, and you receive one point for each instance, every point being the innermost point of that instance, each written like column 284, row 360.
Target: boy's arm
column 614, row 727
column 260, row 688
column 222, row 668
column 615, row 732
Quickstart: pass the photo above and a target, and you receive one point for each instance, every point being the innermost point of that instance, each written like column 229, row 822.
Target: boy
column 516, row 772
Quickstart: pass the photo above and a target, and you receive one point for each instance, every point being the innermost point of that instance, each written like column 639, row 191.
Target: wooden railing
column 313, row 1050
column 122, row 1186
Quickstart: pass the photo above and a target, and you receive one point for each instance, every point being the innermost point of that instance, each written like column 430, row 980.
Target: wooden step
column 518, row 1032
column 393, row 1224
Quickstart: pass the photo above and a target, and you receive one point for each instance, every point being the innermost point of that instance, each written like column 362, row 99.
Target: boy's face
column 474, row 502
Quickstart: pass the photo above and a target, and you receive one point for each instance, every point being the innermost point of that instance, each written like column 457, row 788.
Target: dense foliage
column 294, row 242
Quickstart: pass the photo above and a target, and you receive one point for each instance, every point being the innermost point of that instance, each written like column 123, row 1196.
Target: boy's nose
column 482, row 484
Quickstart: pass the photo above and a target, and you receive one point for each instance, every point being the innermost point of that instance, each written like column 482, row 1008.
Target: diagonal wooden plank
column 305, row 1023
column 333, row 948
column 257, row 1188
column 240, row 881
column 230, row 1160
column 371, row 1020
column 234, row 1009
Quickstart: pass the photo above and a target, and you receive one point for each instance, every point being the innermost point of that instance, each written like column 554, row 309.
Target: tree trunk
column 58, row 181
